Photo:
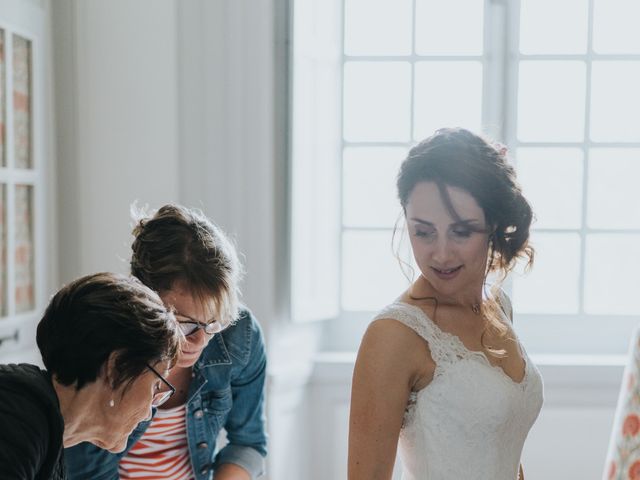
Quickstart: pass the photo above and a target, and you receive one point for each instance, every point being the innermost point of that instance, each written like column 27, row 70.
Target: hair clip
column 501, row 149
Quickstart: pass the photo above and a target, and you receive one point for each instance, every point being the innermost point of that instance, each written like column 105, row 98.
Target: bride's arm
column 521, row 475
column 382, row 381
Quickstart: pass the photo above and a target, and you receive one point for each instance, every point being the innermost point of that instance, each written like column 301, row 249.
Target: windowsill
column 570, row 380
column 541, row 360
column 601, row 336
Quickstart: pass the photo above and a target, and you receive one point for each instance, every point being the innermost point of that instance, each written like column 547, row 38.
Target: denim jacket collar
column 211, row 357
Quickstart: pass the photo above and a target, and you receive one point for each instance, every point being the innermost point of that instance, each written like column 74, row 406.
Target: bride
column 440, row 372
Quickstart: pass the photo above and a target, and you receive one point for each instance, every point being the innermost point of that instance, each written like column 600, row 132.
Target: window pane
column 551, row 179
column 562, row 32
column 377, row 101
column 551, row 98
column 613, row 188
column 615, row 26
column 454, row 27
column 615, row 101
column 24, row 262
column 369, row 186
column 447, row 94
column 553, row 283
column 377, row 27
column 3, row 103
column 3, row 250
column 611, row 274
column 22, row 101
column 371, row 275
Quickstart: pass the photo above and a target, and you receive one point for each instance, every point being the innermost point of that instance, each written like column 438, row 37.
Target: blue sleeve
column 245, row 425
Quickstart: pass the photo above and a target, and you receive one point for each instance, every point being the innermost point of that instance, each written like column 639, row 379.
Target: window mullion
column 495, row 64
column 585, row 169
column 511, row 67
column 10, row 163
column 500, row 89
column 413, row 69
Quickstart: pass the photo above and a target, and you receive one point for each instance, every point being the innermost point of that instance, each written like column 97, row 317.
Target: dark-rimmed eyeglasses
column 160, row 397
column 191, row 326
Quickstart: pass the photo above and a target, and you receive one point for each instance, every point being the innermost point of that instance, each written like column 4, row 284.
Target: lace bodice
column 471, row 421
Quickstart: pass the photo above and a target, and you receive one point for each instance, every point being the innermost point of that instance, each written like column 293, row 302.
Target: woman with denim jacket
column 219, row 377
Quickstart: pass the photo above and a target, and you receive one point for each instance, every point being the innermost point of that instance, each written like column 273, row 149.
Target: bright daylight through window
column 560, row 90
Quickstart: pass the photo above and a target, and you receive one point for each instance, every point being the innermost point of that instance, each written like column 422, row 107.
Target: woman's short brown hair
column 100, row 314
column 181, row 246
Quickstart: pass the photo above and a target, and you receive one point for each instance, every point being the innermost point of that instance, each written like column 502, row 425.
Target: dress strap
column 443, row 347
column 505, row 304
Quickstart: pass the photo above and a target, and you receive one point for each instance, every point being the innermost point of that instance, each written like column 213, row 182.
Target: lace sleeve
column 444, row 348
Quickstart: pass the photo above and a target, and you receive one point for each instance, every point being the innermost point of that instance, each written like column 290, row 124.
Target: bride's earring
column 112, row 403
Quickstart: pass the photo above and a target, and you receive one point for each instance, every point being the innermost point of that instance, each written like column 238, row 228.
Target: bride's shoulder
column 392, row 346
column 397, row 328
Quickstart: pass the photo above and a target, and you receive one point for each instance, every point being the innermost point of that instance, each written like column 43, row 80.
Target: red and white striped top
column 162, row 451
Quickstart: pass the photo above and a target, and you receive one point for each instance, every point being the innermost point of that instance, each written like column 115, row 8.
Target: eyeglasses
column 191, row 326
column 160, row 397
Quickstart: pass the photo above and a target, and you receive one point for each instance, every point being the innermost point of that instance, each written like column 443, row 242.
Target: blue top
column 227, row 391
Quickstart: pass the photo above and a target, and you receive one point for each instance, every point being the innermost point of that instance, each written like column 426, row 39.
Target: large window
column 554, row 80
column 408, row 69
column 576, row 110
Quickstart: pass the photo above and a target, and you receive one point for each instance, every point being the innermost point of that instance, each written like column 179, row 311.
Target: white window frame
column 27, row 19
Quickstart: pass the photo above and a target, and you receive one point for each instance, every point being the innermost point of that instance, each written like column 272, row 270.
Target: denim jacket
column 227, row 391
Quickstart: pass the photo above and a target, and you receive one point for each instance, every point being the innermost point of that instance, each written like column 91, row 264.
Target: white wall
column 232, row 140
column 117, row 123
column 160, row 100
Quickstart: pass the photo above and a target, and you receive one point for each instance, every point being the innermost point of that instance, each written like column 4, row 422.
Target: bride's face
column 450, row 253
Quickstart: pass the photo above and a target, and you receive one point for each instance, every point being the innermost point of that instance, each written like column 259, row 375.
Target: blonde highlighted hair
column 179, row 246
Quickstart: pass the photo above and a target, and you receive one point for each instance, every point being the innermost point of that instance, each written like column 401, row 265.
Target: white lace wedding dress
column 471, row 421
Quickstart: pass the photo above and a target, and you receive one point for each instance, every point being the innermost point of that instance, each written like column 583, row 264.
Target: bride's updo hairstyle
column 459, row 158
